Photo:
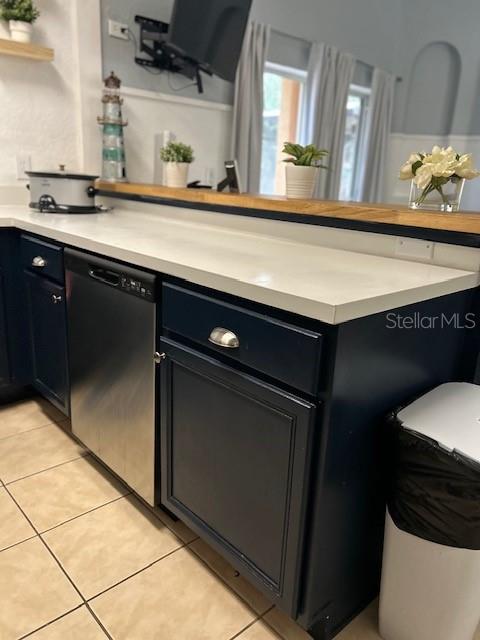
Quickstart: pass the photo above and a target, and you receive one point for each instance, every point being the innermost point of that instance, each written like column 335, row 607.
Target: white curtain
column 248, row 106
column 380, row 126
column 330, row 74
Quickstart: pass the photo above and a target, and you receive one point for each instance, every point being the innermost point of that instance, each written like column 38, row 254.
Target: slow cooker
column 62, row 192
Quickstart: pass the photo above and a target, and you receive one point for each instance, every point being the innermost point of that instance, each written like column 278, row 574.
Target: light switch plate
column 24, row 163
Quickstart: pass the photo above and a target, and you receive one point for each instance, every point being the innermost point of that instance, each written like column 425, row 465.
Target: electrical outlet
column 117, row 30
column 414, row 249
column 24, row 163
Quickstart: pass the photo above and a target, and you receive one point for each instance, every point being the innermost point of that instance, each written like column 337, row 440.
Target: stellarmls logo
column 418, row 320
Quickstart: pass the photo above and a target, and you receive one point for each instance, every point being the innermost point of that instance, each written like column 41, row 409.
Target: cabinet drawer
column 42, row 258
column 283, row 351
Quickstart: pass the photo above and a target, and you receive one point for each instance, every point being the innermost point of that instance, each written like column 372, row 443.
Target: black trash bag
column 434, row 494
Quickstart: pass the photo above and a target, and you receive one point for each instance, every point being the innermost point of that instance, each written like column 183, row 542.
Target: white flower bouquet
column 438, row 178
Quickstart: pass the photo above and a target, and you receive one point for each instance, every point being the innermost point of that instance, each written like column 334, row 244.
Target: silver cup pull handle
column 224, row 338
column 39, row 262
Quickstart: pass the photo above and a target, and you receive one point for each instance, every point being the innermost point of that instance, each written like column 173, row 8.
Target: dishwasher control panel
column 137, row 287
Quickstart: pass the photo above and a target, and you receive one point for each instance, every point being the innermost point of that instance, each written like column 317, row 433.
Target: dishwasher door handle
column 104, row 276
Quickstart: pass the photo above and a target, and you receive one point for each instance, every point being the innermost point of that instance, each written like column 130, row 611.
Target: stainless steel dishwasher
column 111, row 336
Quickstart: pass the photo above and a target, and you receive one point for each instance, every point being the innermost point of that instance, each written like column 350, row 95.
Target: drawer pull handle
column 56, row 299
column 39, row 262
column 224, row 338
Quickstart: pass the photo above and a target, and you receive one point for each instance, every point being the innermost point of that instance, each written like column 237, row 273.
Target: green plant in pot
column 4, row 30
column 303, row 165
column 21, row 14
column 177, row 158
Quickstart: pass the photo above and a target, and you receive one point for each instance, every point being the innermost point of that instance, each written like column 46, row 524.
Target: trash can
column 431, row 564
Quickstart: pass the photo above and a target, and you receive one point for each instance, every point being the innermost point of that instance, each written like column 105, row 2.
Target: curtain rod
column 309, row 42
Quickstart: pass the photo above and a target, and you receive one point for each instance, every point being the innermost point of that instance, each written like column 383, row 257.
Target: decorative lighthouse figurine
column 113, row 144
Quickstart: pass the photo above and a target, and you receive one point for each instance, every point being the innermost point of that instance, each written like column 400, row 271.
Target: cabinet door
column 235, row 464
column 4, row 359
column 47, row 316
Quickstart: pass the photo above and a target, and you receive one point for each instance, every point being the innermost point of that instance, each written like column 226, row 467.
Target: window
column 355, row 143
column 282, row 113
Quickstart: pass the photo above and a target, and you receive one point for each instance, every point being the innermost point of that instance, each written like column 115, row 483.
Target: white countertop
column 331, row 285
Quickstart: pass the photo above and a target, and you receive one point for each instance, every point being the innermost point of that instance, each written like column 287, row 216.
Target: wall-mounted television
column 210, row 32
column 203, row 35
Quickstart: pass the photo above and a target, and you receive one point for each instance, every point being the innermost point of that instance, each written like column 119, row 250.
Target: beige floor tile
column 259, row 631
column 26, row 415
column 14, row 527
column 178, row 597
column 238, row 583
column 285, row 626
column 33, row 589
column 78, row 625
column 35, row 451
column 177, row 526
column 64, row 492
column 109, row 544
column 364, row 627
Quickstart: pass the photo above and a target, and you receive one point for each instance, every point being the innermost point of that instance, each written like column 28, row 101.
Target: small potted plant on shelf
column 177, row 158
column 21, row 14
column 438, row 178
column 303, row 165
column 4, row 30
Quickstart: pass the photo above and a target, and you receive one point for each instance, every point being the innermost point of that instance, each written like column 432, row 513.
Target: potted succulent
column 21, row 15
column 177, row 158
column 438, row 178
column 303, row 165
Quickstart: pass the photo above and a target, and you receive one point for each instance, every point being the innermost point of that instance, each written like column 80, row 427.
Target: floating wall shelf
column 23, row 50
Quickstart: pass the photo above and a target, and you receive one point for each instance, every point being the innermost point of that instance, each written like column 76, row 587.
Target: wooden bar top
column 376, row 214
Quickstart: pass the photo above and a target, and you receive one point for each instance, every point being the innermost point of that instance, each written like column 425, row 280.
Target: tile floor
column 82, row 558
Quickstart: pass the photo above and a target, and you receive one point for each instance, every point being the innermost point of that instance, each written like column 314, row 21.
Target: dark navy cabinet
column 235, row 463
column 5, row 375
column 14, row 351
column 47, row 319
column 47, row 315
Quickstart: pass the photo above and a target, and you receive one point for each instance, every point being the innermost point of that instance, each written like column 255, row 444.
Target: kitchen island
column 280, row 352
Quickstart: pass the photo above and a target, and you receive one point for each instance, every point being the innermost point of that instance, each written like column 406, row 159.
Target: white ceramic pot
column 4, row 30
column 21, row 31
column 300, row 181
column 176, row 174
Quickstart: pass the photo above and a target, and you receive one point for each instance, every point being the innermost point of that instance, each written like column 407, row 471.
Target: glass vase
column 448, row 198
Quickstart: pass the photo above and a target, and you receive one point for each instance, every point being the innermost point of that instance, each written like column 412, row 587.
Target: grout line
column 40, row 426
column 36, row 473
column 44, row 626
column 99, row 622
column 270, row 626
column 257, row 619
column 84, row 602
column 15, row 544
column 84, row 513
column 226, row 584
column 148, row 566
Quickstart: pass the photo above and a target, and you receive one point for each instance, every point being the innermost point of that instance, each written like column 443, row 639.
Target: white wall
column 43, row 106
column 204, row 125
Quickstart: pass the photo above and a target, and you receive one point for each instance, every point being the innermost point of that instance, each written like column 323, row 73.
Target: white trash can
column 431, row 564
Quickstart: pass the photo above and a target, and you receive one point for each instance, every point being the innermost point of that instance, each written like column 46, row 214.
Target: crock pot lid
column 60, row 174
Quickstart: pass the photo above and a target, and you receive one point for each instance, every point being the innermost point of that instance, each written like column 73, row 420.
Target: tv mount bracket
column 162, row 55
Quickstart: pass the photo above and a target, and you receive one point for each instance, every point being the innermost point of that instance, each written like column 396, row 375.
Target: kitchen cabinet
column 47, row 319
column 235, row 461
column 271, row 438
column 4, row 359
column 14, row 351
column 48, row 338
